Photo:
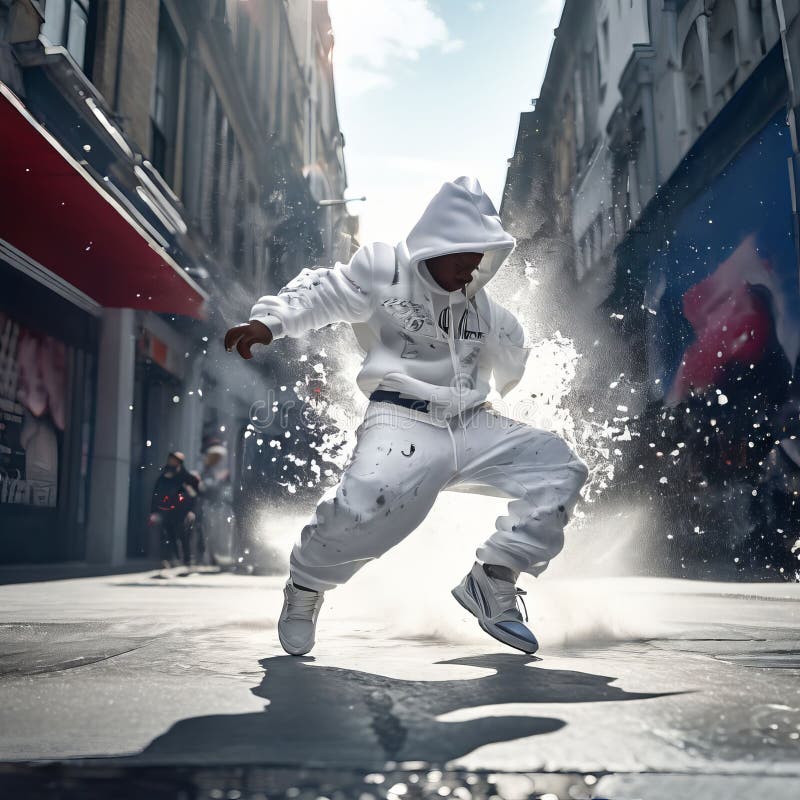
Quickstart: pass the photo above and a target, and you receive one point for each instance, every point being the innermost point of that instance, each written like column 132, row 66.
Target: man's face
column 172, row 464
column 455, row 270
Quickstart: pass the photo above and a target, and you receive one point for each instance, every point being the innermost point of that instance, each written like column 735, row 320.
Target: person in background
column 173, row 508
column 215, row 509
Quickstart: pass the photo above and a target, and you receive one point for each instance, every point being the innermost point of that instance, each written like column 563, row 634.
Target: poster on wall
column 32, row 413
column 724, row 297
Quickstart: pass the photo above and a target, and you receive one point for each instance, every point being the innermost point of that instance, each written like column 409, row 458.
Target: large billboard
column 723, row 288
column 724, row 333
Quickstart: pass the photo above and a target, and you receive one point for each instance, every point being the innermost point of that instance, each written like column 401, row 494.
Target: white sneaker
column 494, row 603
column 298, row 620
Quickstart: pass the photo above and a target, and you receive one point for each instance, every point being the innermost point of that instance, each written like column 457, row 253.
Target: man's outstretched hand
column 244, row 336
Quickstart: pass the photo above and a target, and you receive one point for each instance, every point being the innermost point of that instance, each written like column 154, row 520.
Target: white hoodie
column 400, row 315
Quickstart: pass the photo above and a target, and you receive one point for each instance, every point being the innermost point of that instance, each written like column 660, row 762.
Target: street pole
column 340, row 201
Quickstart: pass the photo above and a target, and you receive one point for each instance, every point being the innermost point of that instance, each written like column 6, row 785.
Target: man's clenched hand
column 244, row 336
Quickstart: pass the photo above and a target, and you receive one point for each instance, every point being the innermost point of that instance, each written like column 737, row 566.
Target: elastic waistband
column 389, row 409
column 384, row 396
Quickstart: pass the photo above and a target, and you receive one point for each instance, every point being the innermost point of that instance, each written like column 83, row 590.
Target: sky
column 428, row 90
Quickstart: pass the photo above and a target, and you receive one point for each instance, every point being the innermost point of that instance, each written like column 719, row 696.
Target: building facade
column 664, row 144
column 163, row 163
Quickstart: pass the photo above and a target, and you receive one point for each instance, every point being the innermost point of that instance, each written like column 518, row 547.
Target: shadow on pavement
column 330, row 715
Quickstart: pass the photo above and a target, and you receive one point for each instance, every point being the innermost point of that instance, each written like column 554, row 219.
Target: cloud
column 453, row 46
column 399, row 187
column 477, row 6
column 372, row 37
column 359, row 80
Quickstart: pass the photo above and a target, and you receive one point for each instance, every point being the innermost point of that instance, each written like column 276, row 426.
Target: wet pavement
column 643, row 687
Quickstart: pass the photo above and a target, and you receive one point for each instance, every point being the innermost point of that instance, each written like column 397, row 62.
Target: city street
column 653, row 680
column 411, row 296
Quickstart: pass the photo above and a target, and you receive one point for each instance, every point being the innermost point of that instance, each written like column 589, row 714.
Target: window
column 755, row 15
column 220, row 12
column 67, row 23
column 723, row 47
column 280, row 92
column 217, row 178
column 695, row 82
column 243, row 39
column 579, row 124
column 620, row 194
column 587, row 97
column 209, row 150
column 255, row 66
column 166, row 90
column 239, row 218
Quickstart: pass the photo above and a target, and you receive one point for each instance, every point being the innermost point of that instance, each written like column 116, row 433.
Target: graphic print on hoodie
column 413, row 317
column 401, row 315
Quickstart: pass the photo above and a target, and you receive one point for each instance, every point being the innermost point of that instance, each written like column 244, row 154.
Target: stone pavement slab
column 637, row 680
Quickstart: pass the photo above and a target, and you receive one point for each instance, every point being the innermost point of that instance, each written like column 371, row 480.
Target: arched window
column 755, row 19
column 723, row 46
column 769, row 23
column 692, row 60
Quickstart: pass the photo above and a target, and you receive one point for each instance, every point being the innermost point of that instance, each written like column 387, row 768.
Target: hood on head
column 461, row 219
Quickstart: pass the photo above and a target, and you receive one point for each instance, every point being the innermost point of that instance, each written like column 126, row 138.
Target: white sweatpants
column 400, row 464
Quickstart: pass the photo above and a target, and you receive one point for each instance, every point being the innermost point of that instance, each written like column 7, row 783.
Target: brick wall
column 138, row 68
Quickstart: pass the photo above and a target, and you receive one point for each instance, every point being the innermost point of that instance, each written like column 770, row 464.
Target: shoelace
column 519, row 593
column 515, row 598
column 303, row 606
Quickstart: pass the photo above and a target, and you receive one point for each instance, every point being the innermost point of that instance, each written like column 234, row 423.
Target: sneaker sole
column 510, row 641
column 291, row 652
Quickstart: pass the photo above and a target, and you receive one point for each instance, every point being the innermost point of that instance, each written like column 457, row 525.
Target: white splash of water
column 407, row 592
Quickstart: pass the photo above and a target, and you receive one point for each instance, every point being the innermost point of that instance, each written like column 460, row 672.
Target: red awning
column 52, row 210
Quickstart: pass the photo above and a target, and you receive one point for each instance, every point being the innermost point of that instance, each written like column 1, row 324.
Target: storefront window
column 32, row 414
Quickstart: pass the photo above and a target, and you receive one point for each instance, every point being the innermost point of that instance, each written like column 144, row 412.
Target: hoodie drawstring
column 456, row 376
column 452, row 444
